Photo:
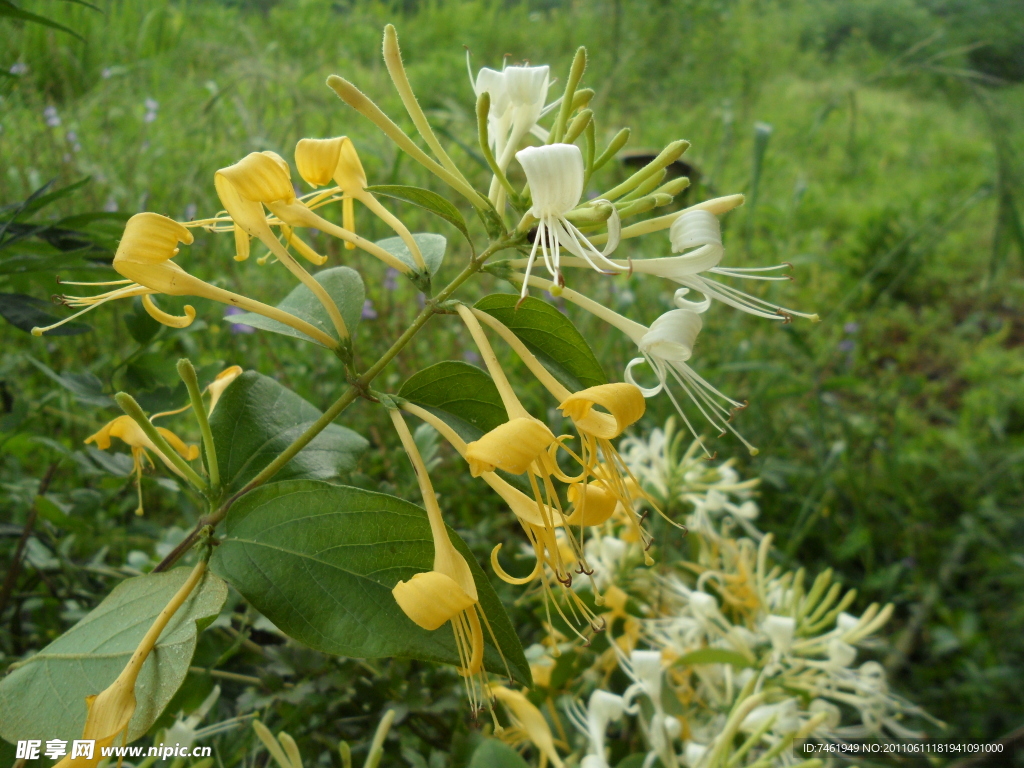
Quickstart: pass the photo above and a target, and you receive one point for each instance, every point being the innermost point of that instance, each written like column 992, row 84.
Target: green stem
column 188, row 374
column 134, row 410
column 358, row 387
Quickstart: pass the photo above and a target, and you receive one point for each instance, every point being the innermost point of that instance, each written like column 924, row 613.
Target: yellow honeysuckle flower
column 513, row 446
column 623, row 405
column 125, row 428
column 321, row 160
column 540, row 522
column 110, row 711
column 447, row 593
column 145, row 257
column 263, row 179
column 528, row 724
column 221, row 382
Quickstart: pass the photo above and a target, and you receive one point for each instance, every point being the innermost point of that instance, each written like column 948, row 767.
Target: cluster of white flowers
column 731, row 660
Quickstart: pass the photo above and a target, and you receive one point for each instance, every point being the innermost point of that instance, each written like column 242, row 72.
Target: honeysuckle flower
column 555, row 175
column 696, row 234
column 517, row 103
column 448, row 592
column 145, row 257
column 128, row 431
column 186, row 731
column 321, row 160
column 539, row 520
column 221, row 382
column 645, row 669
column 602, row 708
column 110, row 711
column 528, row 724
column 263, row 179
column 666, row 347
column 605, row 476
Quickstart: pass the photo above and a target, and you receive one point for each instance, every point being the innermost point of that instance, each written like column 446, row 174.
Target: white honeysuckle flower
column 602, row 708
column 517, row 103
column 555, row 175
column 840, row 654
column 780, row 631
column 693, row 753
column 785, row 712
column 666, row 347
column 697, row 236
column 604, row 554
column 644, row 668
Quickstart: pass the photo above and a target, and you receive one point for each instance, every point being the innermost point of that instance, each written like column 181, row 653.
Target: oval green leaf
column 461, row 394
column 256, row 418
column 432, row 248
column 342, row 284
column 496, row 754
column 43, row 697
column 427, row 200
column 714, row 656
column 551, row 336
column 320, row 561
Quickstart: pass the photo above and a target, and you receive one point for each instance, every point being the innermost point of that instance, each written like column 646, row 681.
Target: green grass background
column 891, row 434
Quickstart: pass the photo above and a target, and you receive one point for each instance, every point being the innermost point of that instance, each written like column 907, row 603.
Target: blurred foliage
column 891, row 435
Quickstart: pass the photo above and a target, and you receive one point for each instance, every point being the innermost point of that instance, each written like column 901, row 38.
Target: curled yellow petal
column 261, row 177
column 624, row 405
column 593, row 504
column 431, row 598
column 165, row 318
column 320, row 160
column 512, row 446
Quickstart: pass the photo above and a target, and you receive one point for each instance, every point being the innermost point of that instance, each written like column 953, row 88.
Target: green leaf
column 257, row 418
column 43, row 697
column 343, row 284
column 496, row 754
column 551, row 336
column 320, row 561
column 27, row 312
column 141, row 326
column 86, row 388
column 714, row 656
column 426, row 199
column 461, row 394
column 432, row 248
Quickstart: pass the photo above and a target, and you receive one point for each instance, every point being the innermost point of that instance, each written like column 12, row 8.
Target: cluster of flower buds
column 730, row 661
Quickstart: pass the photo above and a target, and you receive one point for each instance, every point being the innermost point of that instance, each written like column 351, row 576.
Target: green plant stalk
column 134, row 410
column 188, row 374
column 359, row 386
column 589, row 148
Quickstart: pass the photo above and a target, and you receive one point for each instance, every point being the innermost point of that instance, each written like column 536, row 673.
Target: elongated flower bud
column 555, row 175
column 431, row 598
column 513, row 447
